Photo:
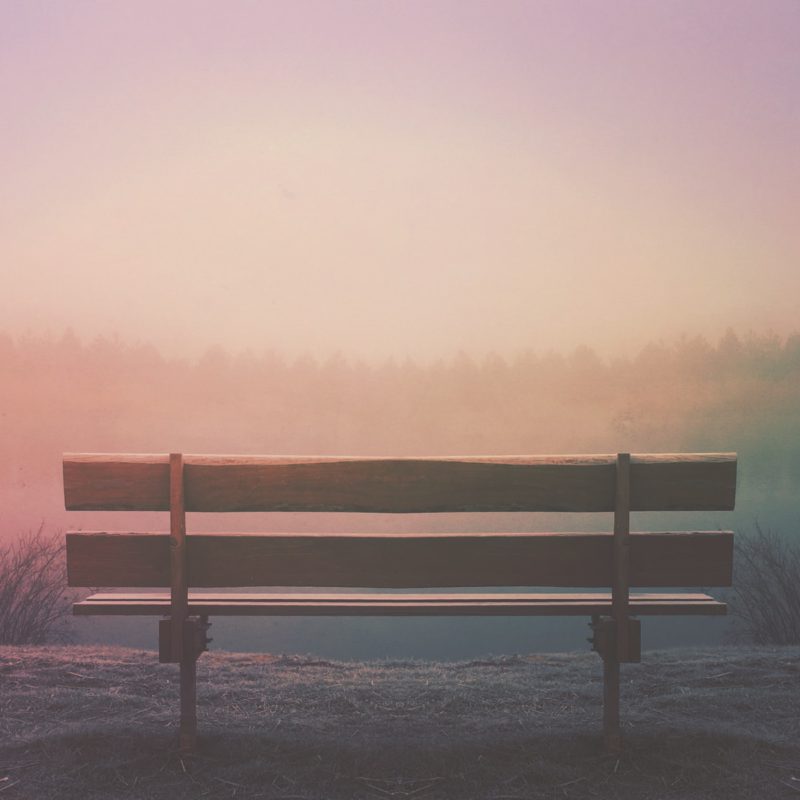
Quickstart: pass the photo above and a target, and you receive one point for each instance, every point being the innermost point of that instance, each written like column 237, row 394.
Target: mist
column 399, row 229
column 739, row 393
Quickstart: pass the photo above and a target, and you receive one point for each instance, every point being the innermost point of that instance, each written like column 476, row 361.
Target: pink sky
column 400, row 177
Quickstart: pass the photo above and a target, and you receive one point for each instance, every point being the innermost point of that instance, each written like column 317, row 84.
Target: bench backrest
column 687, row 482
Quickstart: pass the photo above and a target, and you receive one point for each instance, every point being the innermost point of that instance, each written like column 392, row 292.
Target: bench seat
column 400, row 605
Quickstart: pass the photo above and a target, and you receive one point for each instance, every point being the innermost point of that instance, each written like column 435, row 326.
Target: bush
column 765, row 603
column 35, row 604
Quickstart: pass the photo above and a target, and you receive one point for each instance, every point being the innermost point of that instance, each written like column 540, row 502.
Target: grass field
column 83, row 723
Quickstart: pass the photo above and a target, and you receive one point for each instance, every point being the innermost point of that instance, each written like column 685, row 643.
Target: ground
column 82, row 723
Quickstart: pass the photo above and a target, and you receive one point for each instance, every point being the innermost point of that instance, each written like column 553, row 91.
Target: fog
column 399, row 228
column 739, row 393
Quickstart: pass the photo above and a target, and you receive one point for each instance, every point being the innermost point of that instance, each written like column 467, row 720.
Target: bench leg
column 604, row 641
column 188, row 729
column 612, row 734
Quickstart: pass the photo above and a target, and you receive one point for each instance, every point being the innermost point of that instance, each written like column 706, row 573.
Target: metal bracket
column 195, row 638
column 604, row 639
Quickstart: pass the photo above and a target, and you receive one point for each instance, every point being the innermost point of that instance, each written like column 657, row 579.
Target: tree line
column 106, row 394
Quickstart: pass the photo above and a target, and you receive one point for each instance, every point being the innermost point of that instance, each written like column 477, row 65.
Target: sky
column 399, row 178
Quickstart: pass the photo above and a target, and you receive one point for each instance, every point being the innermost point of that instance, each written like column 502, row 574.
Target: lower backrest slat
column 402, row 560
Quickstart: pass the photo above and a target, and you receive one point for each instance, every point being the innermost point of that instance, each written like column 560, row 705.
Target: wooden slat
column 385, row 597
column 532, row 604
column 177, row 556
column 621, row 548
column 700, row 558
column 689, row 482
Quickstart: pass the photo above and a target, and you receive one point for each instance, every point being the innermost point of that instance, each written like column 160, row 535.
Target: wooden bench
column 614, row 561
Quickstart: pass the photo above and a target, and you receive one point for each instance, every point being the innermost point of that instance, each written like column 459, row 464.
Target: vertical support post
column 183, row 647
column 617, row 649
column 622, row 559
column 179, row 589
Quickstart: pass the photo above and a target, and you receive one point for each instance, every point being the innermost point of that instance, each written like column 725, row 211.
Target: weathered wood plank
column 177, row 558
column 387, row 597
column 688, row 482
column 621, row 554
column 699, row 558
column 533, row 604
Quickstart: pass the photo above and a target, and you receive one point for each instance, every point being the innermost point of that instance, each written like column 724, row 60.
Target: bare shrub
column 35, row 603
column 765, row 603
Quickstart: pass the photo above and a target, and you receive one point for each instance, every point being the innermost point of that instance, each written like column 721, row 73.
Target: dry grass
column 81, row 723
column 35, row 604
column 765, row 604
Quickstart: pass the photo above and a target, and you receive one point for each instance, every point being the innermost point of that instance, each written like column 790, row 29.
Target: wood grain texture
column 621, row 547
column 699, row 558
column 367, row 604
column 688, row 482
column 177, row 557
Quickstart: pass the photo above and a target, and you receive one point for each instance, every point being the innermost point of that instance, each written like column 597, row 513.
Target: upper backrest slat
column 661, row 482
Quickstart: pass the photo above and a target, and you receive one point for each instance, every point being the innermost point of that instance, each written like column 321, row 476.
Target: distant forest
column 742, row 392
column 59, row 394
